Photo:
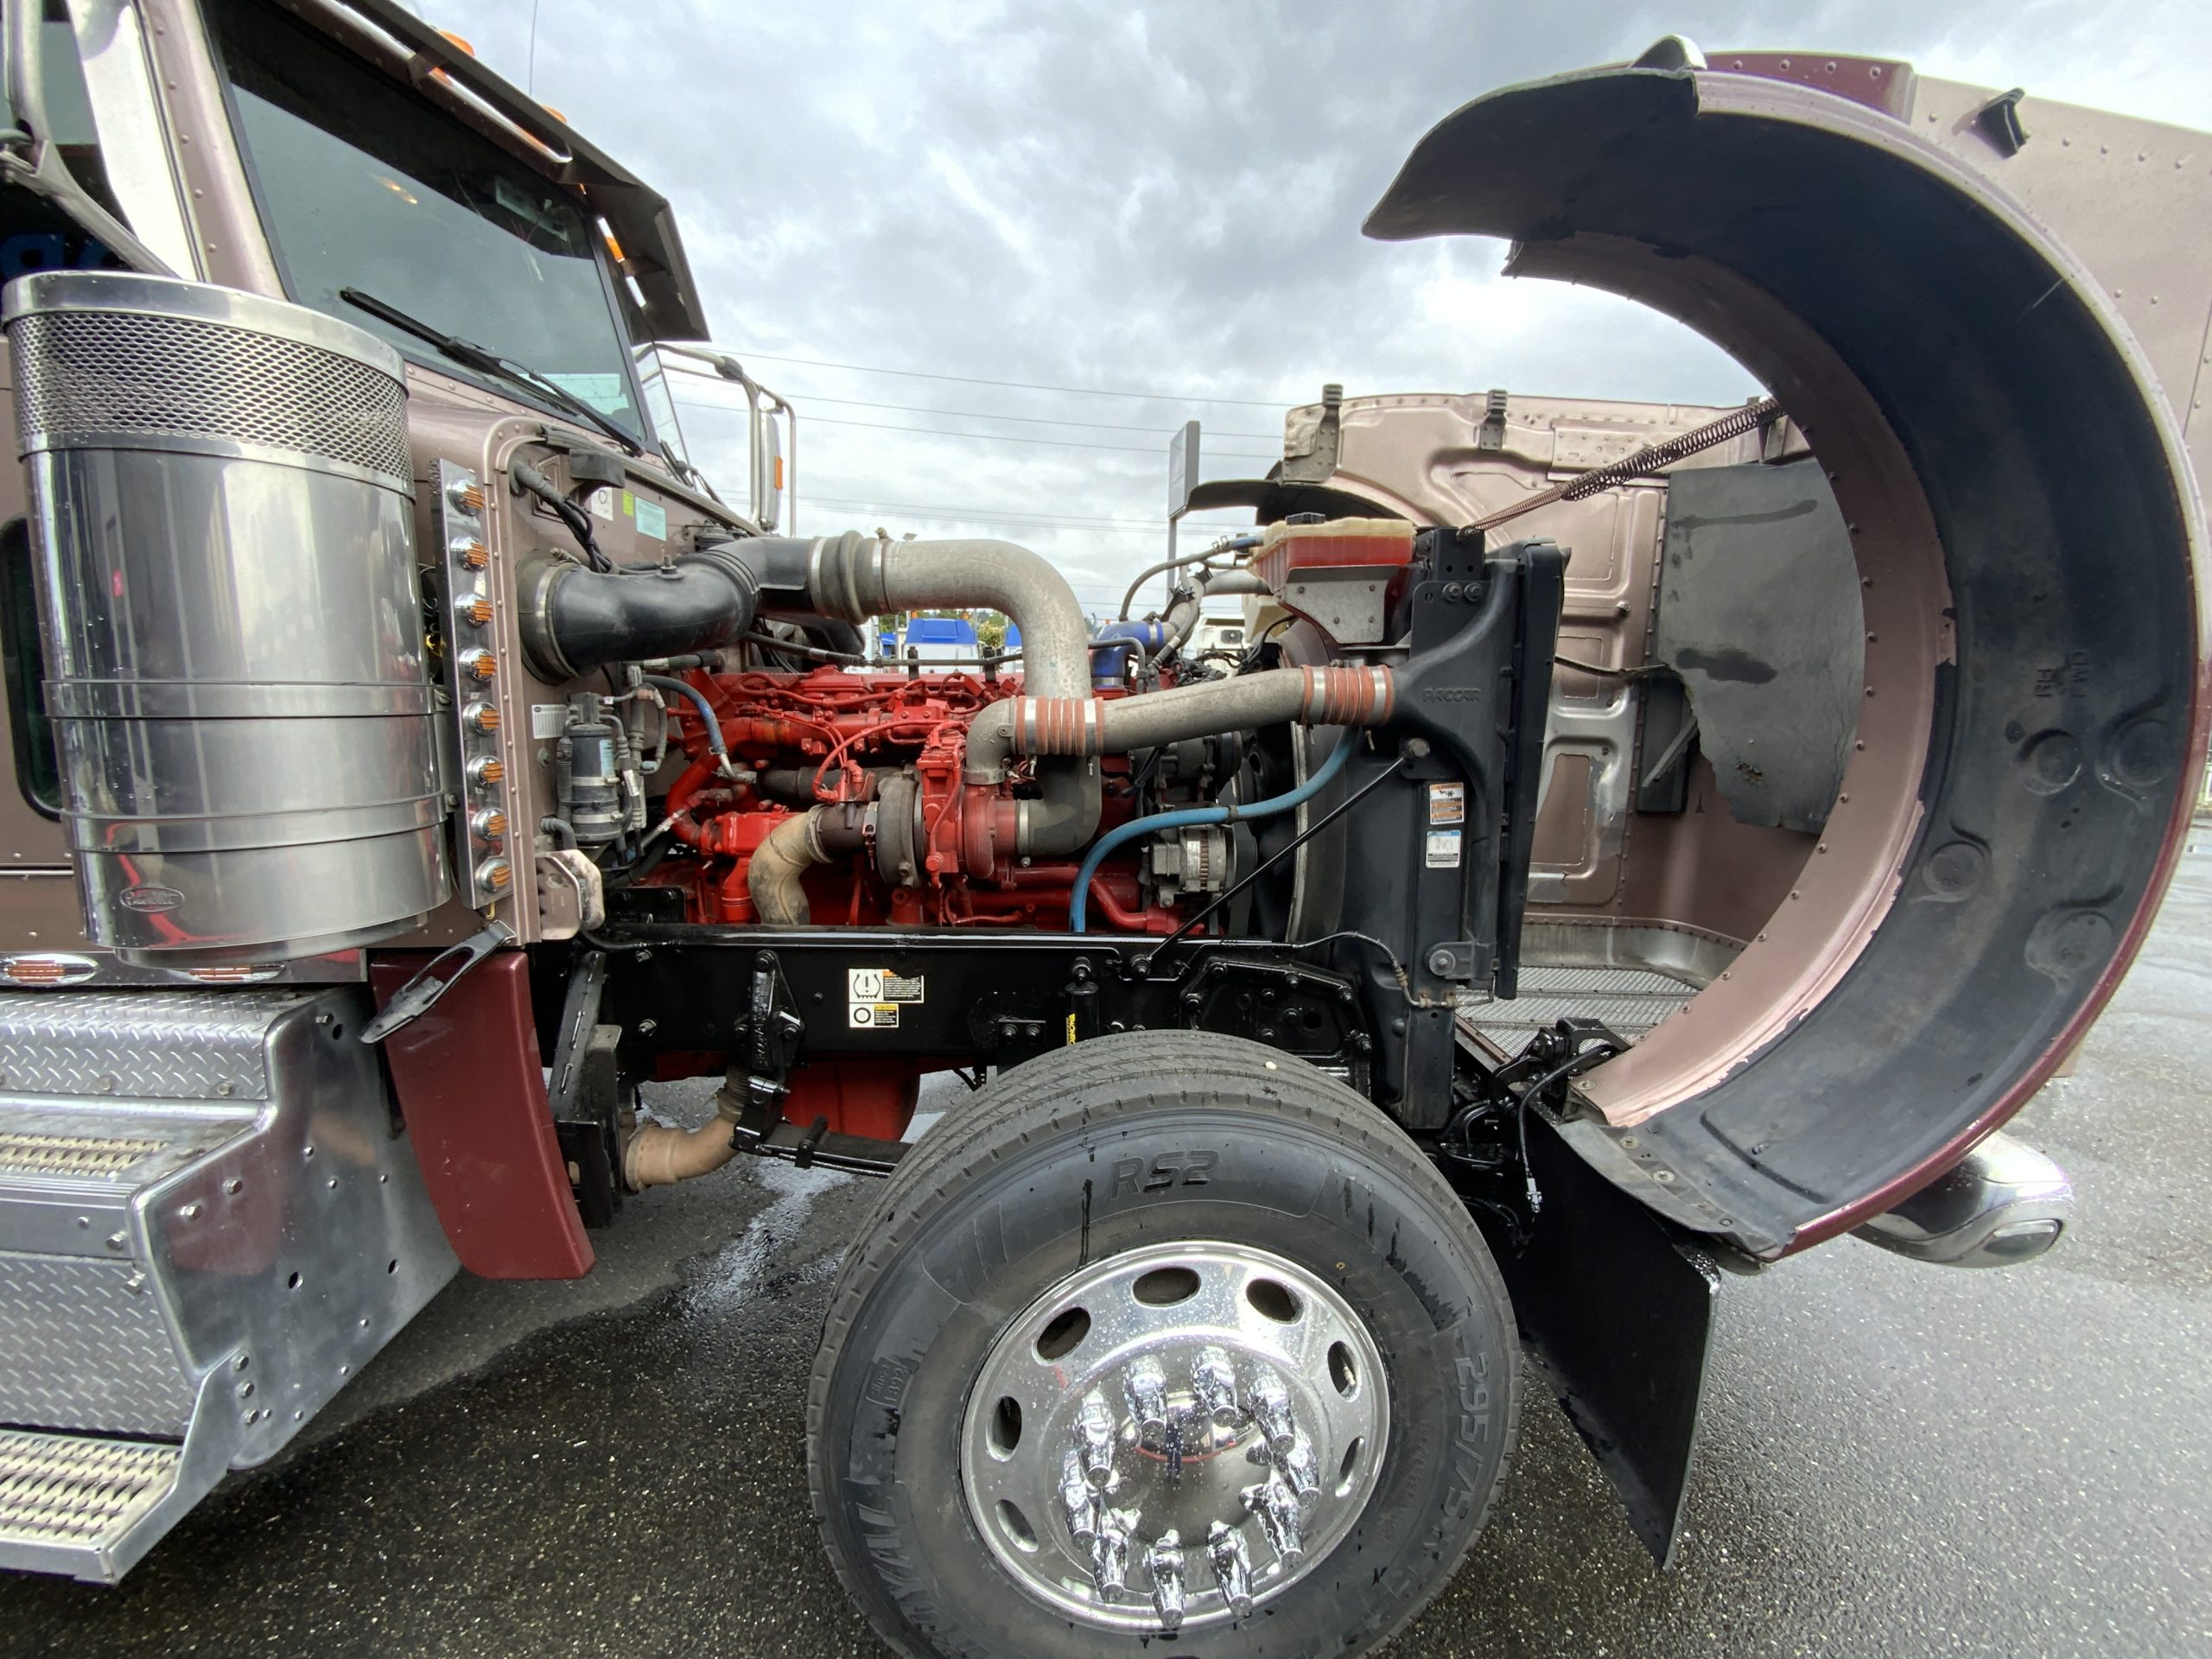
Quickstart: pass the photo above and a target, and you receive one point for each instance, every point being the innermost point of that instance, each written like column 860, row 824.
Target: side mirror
column 769, row 502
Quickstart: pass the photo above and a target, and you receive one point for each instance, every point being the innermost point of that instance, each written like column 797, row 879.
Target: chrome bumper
column 2004, row 1203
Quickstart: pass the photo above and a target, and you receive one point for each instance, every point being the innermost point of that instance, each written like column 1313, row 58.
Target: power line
column 998, row 515
column 1021, row 526
column 1012, row 532
column 1016, row 530
column 1029, row 385
column 983, row 415
column 1077, row 521
column 1009, row 437
column 993, row 437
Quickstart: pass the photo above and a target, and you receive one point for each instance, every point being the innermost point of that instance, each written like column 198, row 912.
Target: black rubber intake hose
column 573, row 620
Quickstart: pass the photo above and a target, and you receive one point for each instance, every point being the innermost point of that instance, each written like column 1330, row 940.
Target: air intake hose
column 573, row 620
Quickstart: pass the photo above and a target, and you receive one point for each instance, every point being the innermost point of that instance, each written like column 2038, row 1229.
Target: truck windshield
column 363, row 185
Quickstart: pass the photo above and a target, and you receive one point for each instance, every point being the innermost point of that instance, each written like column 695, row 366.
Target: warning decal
column 879, row 985
column 1447, row 804
column 874, row 995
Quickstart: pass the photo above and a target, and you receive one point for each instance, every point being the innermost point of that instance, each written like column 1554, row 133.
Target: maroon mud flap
column 472, row 1089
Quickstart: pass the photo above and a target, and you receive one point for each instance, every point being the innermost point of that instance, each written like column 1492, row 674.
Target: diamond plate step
column 69, row 1501
column 146, row 1045
column 87, row 1337
column 104, row 1154
column 85, row 1156
column 1629, row 999
column 207, row 1224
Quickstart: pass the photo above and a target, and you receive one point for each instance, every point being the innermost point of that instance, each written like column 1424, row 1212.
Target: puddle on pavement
column 747, row 1266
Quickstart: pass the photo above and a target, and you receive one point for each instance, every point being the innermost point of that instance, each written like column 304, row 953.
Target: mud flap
column 1616, row 1306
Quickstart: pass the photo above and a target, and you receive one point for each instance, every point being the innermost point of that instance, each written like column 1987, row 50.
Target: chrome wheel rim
column 1172, row 1436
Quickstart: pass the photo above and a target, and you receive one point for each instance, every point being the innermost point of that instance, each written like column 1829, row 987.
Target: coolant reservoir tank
column 1337, row 574
column 222, row 505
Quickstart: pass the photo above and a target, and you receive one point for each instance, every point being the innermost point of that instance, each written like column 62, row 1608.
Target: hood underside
column 2025, row 528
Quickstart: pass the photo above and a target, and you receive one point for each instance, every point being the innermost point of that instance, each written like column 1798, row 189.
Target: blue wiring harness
column 1189, row 816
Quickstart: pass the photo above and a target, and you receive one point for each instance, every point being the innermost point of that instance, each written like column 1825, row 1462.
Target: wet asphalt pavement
column 1895, row 1460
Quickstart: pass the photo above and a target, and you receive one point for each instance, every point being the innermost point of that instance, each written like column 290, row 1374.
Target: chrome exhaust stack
column 2003, row 1202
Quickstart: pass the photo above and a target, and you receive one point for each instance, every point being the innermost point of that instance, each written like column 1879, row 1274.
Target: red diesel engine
column 908, row 840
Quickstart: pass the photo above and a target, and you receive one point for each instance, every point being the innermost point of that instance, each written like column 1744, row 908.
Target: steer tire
column 1061, row 1167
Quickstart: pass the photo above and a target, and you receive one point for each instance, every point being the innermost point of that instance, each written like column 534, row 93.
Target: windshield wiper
column 487, row 361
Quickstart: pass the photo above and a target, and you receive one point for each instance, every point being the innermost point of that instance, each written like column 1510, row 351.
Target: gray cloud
column 1164, row 198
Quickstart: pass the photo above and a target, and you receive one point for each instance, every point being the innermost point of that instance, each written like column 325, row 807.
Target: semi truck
column 1634, row 845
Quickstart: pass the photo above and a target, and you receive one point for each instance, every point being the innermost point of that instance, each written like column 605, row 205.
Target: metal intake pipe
column 1182, row 616
column 1088, row 726
column 856, row 577
column 574, row 619
column 1093, row 726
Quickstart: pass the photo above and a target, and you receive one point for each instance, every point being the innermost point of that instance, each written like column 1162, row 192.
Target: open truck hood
column 2027, row 530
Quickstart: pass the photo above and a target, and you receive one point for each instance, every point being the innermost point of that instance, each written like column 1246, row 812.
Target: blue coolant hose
column 1188, row 816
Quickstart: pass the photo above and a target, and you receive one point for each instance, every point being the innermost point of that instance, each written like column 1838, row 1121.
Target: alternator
column 1190, row 861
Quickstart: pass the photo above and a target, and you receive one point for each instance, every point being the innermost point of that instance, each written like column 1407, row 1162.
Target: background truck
column 1579, row 881
column 941, row 639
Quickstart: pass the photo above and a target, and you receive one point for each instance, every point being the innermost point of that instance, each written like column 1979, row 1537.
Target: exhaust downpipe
column 656, row 1155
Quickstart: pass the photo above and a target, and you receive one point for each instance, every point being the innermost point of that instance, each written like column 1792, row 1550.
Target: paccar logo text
column 149, row 898
column 1451, row 694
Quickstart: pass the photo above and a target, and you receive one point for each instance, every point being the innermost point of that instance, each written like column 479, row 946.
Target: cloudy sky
column 1160, row 201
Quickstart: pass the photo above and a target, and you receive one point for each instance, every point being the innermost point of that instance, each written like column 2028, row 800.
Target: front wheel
column 1170, row 1333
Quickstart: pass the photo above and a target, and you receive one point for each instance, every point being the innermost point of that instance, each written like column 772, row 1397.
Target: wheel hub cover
column 1173, row 1435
